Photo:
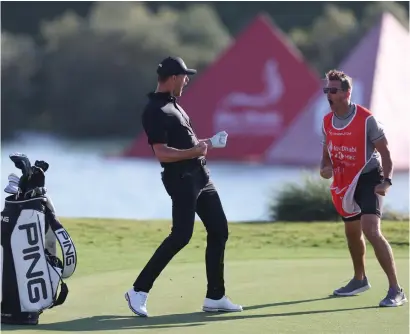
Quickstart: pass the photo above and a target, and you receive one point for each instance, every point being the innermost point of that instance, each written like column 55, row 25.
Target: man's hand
column 381, row 189
column 219, row 140
column 201, row 149
column 326, row 167
column 326, row 172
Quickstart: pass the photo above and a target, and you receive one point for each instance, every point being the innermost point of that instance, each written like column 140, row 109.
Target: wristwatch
column 386, row 179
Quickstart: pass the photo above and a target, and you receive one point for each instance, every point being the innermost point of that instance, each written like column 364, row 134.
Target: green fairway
column 282, row 274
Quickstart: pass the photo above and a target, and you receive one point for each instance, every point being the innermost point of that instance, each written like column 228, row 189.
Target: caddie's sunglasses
column 331, row 90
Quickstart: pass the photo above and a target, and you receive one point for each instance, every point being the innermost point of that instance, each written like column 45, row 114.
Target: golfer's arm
column 382, row 147
column 165, row 153
column 207, row 141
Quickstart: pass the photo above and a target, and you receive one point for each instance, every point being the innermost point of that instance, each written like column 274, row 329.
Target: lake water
column 84, row 183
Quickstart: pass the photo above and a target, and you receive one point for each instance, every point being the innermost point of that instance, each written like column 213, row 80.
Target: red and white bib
column 347, row 150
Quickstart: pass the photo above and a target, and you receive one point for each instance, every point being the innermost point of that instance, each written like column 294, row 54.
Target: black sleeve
column 155, row 126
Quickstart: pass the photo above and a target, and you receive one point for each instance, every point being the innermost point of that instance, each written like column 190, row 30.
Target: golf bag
column 31, row 272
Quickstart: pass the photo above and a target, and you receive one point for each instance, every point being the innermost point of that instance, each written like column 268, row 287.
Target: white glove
column 219, row 140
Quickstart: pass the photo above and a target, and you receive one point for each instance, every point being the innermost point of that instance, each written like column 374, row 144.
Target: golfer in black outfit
column 186, row 180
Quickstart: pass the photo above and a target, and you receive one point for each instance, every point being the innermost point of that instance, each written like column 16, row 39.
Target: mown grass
column 281, row 273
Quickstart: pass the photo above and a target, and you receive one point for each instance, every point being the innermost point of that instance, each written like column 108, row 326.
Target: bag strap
column 66, row 243
column 55, row 263
column 62, row 296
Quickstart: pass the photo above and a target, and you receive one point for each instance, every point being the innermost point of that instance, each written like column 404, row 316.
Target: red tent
column 254, row 90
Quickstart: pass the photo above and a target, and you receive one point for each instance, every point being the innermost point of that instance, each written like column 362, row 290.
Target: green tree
column 374, row 10
column 97, row 71
column 19, row 64
column 332, row 35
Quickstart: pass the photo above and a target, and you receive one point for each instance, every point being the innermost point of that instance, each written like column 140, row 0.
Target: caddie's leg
column 382, row 248
column 357, row 248
column 384, row 253
column 371, row 206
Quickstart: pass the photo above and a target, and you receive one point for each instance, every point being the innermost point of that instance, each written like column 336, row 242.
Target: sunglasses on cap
column 331, row 90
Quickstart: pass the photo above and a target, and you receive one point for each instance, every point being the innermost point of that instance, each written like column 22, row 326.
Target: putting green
column 289, row 295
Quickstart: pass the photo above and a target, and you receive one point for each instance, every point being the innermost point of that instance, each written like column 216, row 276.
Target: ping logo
column 35, row 274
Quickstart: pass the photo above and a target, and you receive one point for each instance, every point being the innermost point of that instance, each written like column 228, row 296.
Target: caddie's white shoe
column 221, row 305
column 137, row 302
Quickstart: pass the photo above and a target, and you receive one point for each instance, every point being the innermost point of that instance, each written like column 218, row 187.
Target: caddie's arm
column 377, row 136
column 382, row 146
column 326, row 168
column 325, row 161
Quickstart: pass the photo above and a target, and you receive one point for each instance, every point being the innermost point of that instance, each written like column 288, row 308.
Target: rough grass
column 133, row 241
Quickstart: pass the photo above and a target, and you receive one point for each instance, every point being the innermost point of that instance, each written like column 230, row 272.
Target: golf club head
column 37, row 179
column 33, row 178
column 22, row 162
column 13, row 185
column 42, row 164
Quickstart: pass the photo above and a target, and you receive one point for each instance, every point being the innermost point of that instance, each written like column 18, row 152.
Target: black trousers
column 191, row 192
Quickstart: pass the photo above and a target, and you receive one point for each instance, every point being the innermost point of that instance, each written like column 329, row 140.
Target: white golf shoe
column 137, row 302
column 221, row 305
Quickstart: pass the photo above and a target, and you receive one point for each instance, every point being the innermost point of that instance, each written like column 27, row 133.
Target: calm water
column 83, row 183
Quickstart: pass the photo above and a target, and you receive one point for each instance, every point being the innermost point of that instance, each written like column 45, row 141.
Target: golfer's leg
column 209, row 209
column 357, row 247
column 183, row 218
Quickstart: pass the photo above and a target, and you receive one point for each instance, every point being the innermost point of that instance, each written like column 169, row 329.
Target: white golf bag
column 31, row 272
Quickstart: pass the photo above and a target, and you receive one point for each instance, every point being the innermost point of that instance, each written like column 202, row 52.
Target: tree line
column 86, row 76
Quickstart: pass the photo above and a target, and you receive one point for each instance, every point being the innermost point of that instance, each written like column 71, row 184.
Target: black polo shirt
column 165, row 122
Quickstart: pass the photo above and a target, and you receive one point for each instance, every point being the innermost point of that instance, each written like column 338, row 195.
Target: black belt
column 189, row 167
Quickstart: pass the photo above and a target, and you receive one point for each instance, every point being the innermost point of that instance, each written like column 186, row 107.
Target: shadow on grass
column 113, row 322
